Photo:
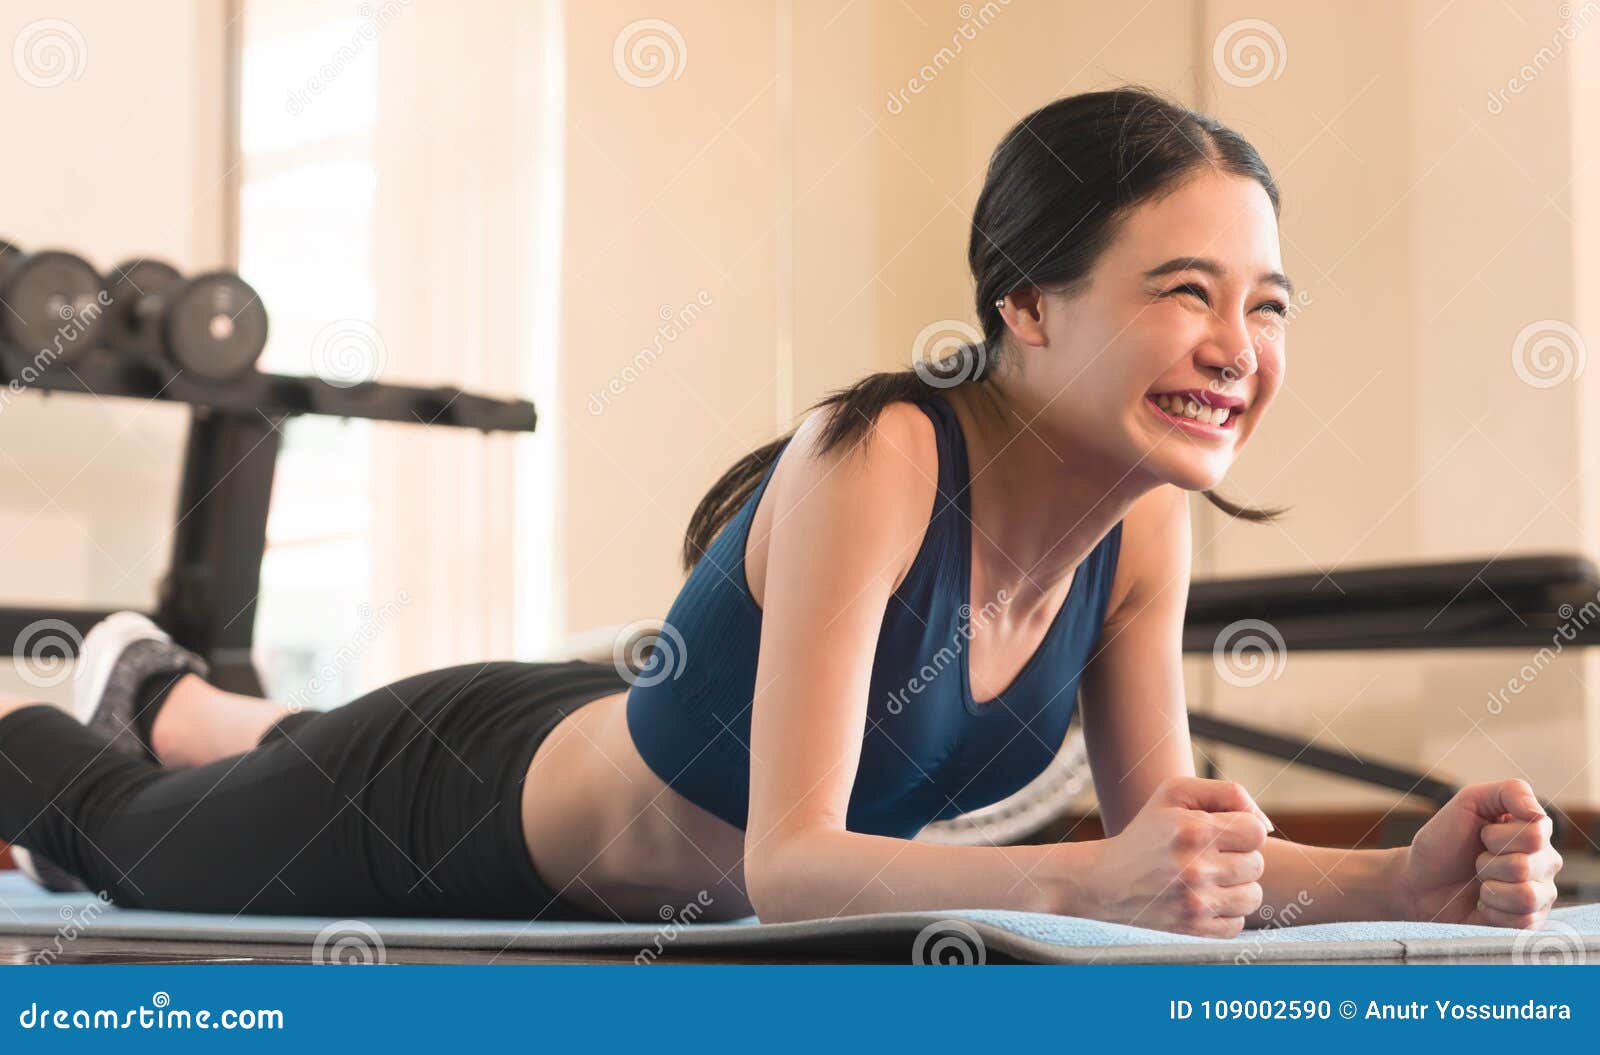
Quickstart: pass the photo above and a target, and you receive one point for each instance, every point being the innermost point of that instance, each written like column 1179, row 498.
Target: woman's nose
column 1229, row 358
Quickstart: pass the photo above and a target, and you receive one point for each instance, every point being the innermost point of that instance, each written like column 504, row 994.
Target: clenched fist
column 1189, row 862
column 1484, row 858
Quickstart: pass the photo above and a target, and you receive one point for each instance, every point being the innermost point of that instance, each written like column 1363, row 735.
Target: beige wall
column 1414, row 220
column 1430, row 229
column 826, row 229
column 671, row 195
column 125, row 158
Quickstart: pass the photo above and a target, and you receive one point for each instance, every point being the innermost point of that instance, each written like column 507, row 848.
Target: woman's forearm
column 1321, row 884
column 823, row 873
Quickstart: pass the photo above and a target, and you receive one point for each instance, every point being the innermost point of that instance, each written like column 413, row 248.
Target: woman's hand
column 1484, row 858
column 1190, row 861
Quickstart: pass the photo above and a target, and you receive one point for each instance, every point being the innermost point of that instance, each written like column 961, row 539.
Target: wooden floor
column 27, row 950
column 23, row 951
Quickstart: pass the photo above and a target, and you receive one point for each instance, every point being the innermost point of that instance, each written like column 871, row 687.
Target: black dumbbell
column 49, row 302
column 212, row 326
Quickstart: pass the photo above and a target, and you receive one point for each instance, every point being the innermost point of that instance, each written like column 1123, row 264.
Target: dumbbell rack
column 207, row 598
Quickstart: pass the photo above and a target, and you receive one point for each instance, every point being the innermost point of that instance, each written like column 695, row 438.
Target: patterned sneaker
column 118, row 656
column 46, row 874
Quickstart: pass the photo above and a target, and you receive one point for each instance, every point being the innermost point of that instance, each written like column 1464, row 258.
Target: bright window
column 308, row 103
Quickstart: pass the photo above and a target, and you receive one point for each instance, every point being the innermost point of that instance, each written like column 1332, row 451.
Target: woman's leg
column 404, row 802
column 198, row 723
column 258, row 832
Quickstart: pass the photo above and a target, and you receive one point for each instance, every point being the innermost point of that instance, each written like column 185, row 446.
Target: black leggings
column 405, row 802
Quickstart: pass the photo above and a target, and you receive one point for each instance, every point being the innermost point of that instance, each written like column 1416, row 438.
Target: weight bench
column 208, row 596
column 1515, row 602
column 1495, row 602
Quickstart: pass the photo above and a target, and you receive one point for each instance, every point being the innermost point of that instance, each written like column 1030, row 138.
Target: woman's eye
column 1275, row 308
column 1191, row 289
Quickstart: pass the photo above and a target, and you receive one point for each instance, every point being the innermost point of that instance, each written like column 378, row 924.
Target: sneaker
column 118, row 655
column 47, row 874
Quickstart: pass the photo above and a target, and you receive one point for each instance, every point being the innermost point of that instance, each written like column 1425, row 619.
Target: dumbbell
column 49, row 302
column 212, row 327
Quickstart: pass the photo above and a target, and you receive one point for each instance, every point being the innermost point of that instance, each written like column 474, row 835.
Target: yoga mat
column 1572, row 935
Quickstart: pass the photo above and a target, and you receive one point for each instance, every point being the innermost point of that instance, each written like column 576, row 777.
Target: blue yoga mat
column 1572, row 935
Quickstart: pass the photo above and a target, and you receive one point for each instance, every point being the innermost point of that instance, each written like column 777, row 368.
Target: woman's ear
column 1023, row 309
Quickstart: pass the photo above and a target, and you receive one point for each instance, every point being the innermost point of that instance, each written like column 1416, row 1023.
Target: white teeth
column 1190, row 408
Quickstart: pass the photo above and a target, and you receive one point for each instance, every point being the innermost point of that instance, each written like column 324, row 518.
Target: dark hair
column 1057, row 186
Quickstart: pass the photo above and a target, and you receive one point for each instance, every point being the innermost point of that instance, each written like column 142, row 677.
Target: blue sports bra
column 929, row 751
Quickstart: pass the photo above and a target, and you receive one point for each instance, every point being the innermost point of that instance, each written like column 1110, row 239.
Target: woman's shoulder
column 1154, row 551
column 875, row 492
column 901, row 441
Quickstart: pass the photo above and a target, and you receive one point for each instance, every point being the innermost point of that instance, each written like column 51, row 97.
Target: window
column 308, row 106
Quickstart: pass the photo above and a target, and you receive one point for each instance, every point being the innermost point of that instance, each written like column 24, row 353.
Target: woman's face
column 1186, row 306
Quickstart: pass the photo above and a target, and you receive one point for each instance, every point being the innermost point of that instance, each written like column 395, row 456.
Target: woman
column 888, row 619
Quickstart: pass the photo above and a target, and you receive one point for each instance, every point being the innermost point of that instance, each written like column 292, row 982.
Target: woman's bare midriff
column 608, row 835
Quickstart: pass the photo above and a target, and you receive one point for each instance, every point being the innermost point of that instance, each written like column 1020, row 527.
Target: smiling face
column 1167, row 359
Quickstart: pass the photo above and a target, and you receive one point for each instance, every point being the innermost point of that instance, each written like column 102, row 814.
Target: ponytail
column 851, row 412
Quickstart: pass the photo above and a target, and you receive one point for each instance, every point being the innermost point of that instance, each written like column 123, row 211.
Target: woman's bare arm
column 1135, row 722
column 844, row 530
column 1137, row 729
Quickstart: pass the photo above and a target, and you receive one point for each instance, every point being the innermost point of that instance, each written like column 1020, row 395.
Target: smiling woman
column 822, row 690
column 1044, row 465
